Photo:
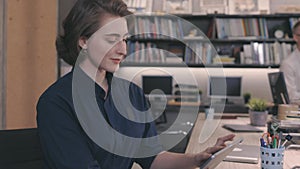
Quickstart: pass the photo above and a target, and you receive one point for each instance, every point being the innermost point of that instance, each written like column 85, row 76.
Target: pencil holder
column 271, row 158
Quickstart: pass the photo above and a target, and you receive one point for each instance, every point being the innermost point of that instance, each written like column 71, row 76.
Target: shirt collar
column 98, row 89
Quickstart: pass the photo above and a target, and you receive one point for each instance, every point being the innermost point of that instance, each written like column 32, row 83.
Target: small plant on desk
column 200, row 95
column 258, row 112
column 256, row 104
column 247, row 97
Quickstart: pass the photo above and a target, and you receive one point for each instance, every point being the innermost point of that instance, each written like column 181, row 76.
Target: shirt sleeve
column 153, row 146
column 150, row 130
column 62, row 140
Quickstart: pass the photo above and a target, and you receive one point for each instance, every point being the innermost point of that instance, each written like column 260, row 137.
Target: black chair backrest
column 20, row 149
column 278, row 88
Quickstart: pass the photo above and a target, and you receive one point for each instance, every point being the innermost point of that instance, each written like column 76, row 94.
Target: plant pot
column 258, row 118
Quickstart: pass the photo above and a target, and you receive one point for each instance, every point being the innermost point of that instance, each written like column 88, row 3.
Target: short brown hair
column 296, row 25
column 83, row 21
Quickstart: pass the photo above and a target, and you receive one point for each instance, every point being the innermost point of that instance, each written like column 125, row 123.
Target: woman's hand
column 221, row 140
column 220, row 144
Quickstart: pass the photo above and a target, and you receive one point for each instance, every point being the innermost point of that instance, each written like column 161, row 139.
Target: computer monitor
column 225, row 87
column 162, row 83
column 278, row 88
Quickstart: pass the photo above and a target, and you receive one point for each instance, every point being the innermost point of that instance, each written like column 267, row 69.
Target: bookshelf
column 212, row 40
column 201, row 14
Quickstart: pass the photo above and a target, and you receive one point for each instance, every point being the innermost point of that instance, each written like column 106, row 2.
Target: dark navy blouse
column 64, row 142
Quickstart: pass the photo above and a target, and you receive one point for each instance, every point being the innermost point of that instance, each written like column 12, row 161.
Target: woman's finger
column 221, row 140
column 211, row 150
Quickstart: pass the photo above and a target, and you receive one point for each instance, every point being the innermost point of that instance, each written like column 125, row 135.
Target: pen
column 287, row 138
column 274, row 143
column 283, row 143
column 269, row 139
column 262, row 142
column 279, row 139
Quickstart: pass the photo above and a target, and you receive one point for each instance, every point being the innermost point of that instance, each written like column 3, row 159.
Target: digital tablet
column 241, row 128
column 244, row 154
column 218, row 157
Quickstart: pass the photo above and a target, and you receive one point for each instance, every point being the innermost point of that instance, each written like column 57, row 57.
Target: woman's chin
column 113, row 69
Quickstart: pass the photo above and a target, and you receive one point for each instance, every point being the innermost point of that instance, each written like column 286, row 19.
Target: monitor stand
column 219, row 100
column 222, row 101
column 228, row 101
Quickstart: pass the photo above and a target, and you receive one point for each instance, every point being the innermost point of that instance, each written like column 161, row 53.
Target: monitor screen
column 225, row 87
column 278, row 88
column 162, row 83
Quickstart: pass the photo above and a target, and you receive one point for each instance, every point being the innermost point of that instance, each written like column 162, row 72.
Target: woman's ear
column 82, row 42
column 295, row 37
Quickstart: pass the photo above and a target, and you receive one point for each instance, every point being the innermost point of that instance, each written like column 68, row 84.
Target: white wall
column 254, row 81
column 278, row 5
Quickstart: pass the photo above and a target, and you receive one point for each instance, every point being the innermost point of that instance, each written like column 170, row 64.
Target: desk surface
column 291, row 157
column 227, row 108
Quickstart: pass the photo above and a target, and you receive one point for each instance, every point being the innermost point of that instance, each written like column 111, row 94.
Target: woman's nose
column 122, row 47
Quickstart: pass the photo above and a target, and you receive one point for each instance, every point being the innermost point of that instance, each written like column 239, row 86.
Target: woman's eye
column 112, row 39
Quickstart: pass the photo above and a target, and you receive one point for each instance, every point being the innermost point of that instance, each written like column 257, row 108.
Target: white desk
column 291, row 158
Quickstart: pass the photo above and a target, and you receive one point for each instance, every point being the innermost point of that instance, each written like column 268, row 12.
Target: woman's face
column 296, row 35
column 107, row 46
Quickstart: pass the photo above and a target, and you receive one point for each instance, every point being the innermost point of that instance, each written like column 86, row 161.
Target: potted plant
column 200, row 92
column 247, row 97
column 258, row 112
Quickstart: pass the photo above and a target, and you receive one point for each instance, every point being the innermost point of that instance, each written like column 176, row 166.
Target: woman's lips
column 116, row 61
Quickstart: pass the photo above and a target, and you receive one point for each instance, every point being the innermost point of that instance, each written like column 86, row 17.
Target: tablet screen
column 217, row 157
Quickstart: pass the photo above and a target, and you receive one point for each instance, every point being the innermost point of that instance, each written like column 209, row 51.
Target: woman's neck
column 98, row 75
column 101, row 79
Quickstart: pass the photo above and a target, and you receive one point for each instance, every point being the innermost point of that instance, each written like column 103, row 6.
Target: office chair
column 278, row 88
column 20, row 149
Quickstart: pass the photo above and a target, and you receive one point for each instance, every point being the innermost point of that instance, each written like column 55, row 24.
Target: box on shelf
column 209, row 7
column 177, row 6
column 249, row 7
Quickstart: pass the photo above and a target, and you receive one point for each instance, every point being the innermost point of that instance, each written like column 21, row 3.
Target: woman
column 289, row 66
column 94, row 43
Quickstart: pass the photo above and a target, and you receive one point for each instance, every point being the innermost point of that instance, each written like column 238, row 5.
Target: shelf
column 240, row 40
column 153, row 65
column 245, row 40
column 251, row 40
column 185, row 39
column 153, row 40
column 239, row 16
column 211, row 16
column 234, row 66
column 198, row 65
